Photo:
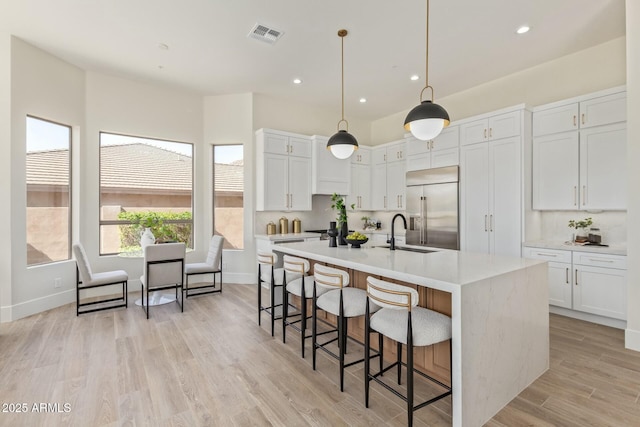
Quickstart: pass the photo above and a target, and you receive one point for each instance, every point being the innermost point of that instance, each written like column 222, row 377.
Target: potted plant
column 581, row 228
column 343, row 228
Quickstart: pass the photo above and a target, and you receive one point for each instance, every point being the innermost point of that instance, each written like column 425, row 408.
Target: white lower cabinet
column 585, row 281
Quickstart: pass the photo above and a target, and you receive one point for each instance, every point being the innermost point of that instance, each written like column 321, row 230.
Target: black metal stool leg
column 303, row 320
column 399, row 351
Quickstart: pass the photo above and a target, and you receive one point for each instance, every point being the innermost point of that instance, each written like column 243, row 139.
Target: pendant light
column 342, row 144
column 427, row 120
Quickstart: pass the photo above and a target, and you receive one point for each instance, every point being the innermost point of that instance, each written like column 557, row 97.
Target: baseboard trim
column 38, row 305
column 632, row 339
column 588, row 317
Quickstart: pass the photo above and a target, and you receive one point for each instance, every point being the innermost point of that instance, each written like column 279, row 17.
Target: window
column 48, row 188
column 228, row 194
column 144, row 183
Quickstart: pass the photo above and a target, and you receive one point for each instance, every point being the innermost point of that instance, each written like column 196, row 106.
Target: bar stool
column 297, row 283
column 401, row 320
column 342, row 301
column 269, row 277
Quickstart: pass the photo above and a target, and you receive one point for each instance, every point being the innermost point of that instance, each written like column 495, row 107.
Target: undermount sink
column 406, row 248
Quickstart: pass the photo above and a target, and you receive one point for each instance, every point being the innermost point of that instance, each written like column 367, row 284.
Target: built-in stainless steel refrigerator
column 432, row 207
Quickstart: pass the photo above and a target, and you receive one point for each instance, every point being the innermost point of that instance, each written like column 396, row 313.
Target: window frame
column 213, row 191
column 70, row 186
column 102, row 222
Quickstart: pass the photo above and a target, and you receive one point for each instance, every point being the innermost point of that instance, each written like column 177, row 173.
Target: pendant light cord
column 342, row 34
column 426, row 62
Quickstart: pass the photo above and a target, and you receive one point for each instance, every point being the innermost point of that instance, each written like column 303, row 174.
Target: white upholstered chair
column 163, row 269
column 401, row 320
column 212, row 265
column 342, row 301
column 87, row 279
column 269, row 277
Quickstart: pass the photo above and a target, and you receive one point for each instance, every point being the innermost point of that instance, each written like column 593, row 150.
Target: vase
column 333, row 233
column 147, row 238
column 343, row 233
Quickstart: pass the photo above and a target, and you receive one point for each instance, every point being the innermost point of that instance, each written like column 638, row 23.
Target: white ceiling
column 471, row 42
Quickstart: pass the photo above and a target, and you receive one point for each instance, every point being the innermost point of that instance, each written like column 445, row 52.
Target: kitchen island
column 499, row 313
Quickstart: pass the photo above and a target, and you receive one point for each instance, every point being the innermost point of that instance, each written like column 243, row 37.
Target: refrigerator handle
column 423, row 214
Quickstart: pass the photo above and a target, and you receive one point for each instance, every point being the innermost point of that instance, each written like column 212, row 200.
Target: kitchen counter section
column 568, row 246
column 288, row 236
column 499, row 314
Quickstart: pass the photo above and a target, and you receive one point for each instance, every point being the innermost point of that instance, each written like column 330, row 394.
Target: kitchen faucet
column 392, row 241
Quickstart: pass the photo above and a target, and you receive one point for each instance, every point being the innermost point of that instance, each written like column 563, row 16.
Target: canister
column 284, row 225
column 271, row 228
column 297, row 225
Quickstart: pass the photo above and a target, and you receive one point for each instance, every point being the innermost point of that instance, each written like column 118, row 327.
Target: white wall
column 5, row 176
column 590, row 70
column 228, row 119
column 46, row 87
column 632, row 336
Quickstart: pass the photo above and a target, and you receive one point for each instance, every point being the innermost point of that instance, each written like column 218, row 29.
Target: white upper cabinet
column 396, row 152
column 439, row 152
column 362, row 156
column 580, row 114
column 494, row 127
column 283, row 171
column 360, row 194
column 379, row 155
column 579, row 153
column 329, row 174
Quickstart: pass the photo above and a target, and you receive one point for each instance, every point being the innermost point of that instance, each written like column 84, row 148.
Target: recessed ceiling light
column 163, row 46
column 297, row 81
column 523, row 29
column 363, row 100
column 415, row 77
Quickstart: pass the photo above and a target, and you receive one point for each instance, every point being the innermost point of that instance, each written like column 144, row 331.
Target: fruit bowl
column 355, row 243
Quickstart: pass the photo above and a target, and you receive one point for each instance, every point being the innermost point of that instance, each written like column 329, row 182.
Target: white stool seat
column 428, row 326
column 354, row 301
column 295, row 287
column 278, row 276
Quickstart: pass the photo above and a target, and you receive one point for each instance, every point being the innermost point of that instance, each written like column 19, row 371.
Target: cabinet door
column 555, row 120
column 379, row 187
column 276, row 144
column 505, row 203
column 361, row 156
column 396, row 186
column 603, row 172
column 379, row 155
column 330, row 174
column 601, row 291
column 449, row 138
column 299, row 184
column 603, row 110
column 276, row 182
column 416, row 147
column 474, row 181
column 364, row 186
column 418, row 161
column 300, row 147
column 555, row 172
column 473, row 132
column 442, row 158
column 504, row 125
column 560, row 284
column 396, row 152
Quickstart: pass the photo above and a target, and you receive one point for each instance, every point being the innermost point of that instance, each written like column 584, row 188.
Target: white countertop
column 619, row 249
column 287, row 236
column 443, row 269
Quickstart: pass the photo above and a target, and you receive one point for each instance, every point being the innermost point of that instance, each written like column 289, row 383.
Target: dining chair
column 87, row 279
column 163, row 269
column 212, row 265
column 269, row 277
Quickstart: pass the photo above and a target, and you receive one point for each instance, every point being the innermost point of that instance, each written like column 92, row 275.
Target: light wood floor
column 213, row 365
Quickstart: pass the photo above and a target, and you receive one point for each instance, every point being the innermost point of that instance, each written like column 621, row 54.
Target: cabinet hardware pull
column 385, row 201
column 401, row 200
column 566, row 275
column 584, row 195
column 574, row 120
column 485, row 223
column 384, row 156
column 600, row 260
column 582, row 118
column 485, row 134
column 490, row 132
column 491, row 222
column 547, row 254
column 291, row 203
column 575, row 195
column 576, row 277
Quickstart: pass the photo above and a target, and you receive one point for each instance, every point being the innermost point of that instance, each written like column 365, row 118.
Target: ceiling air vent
column 265, row 34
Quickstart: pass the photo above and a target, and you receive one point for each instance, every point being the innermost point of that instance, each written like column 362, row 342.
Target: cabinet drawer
column 600, row 260
column 554, row 255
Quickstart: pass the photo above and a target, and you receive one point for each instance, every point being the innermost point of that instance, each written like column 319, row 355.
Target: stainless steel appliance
column 432, row 207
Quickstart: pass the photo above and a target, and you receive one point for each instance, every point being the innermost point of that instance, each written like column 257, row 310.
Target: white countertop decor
column 287, row 236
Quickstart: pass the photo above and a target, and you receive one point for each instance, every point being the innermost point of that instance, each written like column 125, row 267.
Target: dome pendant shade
column 342, row 144
column 426, row 121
